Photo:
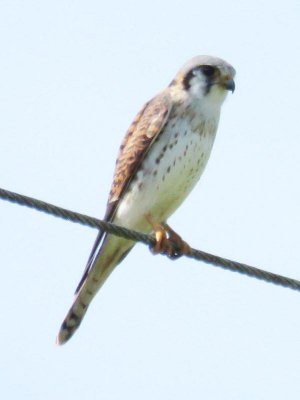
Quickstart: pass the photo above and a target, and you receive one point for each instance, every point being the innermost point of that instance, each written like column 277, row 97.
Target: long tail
column 112, row 253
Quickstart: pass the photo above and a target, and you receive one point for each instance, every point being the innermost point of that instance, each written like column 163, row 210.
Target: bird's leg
column 167, row 240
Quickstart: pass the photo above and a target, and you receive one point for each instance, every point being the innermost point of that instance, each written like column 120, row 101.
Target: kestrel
column 161, row 158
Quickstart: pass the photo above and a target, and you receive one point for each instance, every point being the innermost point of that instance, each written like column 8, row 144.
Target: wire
column 147, row 239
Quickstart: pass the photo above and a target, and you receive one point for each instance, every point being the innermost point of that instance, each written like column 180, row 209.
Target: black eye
column 207, row 70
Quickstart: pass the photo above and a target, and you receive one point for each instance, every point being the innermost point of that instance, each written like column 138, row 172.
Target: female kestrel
column 161, row 158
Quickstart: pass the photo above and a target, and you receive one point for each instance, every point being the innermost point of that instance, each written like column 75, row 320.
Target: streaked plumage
column 161, row 158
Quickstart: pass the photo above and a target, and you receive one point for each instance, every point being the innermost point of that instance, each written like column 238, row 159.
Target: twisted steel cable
column 149, row 240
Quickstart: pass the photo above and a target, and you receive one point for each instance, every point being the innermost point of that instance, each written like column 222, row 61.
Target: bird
column 160, row 160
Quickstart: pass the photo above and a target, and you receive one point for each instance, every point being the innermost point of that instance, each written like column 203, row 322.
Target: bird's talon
column 168, row 242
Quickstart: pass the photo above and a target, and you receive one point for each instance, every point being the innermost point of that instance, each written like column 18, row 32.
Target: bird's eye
column 207, row 70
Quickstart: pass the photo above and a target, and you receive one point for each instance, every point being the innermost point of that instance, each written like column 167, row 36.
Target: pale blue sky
column 73, row 75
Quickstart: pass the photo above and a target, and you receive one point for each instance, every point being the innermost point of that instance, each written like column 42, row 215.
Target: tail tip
column 70, row 323
column 67, row 329
column 63, row 336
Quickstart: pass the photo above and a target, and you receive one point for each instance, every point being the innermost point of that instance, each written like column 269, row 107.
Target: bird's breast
column 170, row 170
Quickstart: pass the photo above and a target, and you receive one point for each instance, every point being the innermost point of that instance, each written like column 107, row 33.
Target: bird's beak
column 228, row 83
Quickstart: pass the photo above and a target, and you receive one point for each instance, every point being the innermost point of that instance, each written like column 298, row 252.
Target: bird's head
column 206, row 78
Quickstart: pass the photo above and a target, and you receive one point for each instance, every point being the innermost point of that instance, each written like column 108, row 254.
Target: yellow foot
column 168, row 242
